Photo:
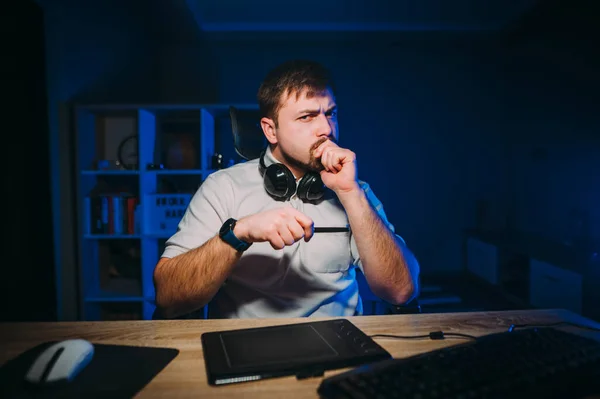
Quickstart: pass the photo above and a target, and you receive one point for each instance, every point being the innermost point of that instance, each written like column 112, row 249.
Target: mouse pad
column 115, row 371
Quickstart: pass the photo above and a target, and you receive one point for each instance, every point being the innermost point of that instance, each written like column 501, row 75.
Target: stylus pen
column 331, row 229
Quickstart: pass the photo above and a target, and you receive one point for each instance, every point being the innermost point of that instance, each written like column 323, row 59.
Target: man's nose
column 324, row 127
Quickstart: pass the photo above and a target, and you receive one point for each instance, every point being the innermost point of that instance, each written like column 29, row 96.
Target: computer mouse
column 60, row 362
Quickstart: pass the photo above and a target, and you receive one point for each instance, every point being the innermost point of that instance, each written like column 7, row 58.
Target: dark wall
column 551, row 76
column 27, row 274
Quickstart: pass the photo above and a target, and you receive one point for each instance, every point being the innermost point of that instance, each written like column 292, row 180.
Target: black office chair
column 411, row 307
column 248, row 138
column 195, row 315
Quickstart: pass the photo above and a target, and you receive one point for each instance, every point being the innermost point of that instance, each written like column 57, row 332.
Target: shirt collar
column 270, row 160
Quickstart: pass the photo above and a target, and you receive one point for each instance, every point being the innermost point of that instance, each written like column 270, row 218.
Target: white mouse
column 60, row 362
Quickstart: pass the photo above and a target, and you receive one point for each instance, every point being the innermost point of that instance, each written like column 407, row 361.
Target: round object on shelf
column 128, row 152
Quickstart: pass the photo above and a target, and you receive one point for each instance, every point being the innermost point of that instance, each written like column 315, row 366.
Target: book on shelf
column 111, row 214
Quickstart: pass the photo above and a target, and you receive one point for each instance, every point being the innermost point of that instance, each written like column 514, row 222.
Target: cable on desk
column 434, row 335
column 438, row 335
column 559, row 323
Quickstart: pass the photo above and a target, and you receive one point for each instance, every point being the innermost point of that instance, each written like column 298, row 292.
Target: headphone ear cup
column 310, row 187
column 279, row 182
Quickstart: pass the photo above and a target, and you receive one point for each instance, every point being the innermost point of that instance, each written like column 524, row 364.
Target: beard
column 313, row 164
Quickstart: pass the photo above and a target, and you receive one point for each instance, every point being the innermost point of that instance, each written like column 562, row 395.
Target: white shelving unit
column 106, row 294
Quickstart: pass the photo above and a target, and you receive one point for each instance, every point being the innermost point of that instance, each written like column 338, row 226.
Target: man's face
column 303, row 124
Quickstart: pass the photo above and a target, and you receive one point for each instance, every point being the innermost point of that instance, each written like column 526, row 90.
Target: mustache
column 319, row 142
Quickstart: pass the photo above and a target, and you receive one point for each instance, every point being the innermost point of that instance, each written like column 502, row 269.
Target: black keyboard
column 529, row 363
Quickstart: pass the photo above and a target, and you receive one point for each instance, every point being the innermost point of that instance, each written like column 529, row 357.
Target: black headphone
column 280, row 183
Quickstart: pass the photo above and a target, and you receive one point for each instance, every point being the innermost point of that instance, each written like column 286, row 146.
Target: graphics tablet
column 302, row 349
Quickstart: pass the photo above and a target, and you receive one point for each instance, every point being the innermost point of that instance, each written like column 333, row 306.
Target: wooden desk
column 185, row 375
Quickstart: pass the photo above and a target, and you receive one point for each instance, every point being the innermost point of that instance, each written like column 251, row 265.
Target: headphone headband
column 280, row 183
column 261, row 160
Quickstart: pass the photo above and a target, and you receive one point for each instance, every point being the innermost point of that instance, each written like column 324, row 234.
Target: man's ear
column 268, row 127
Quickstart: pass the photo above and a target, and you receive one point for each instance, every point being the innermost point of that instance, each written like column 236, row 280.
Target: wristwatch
column 226, row 234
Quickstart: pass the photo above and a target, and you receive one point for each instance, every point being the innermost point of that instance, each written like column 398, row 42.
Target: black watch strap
column 226, row 234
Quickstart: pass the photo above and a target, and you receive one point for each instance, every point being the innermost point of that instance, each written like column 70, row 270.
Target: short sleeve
column 378, row 207
column 207, row 211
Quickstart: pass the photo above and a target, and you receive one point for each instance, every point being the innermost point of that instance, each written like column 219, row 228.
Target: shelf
column 137, row 172
column 159, row 236
column 115, row 298
column 110, row 288
column 126, row 237
column 116, row 270
column 111, row 236
column 115, row 109
column 125, row 309
column 110, row 172
column 179, row 172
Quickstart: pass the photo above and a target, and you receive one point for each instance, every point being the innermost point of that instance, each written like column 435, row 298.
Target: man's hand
column 340, row 172
column 280, row 227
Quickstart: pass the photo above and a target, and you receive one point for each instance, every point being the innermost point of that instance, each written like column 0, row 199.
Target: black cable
column 438, row 335
column 434, row 335
column 559, row 323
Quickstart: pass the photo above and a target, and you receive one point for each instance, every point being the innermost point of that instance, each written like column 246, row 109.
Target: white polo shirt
column 315, row 278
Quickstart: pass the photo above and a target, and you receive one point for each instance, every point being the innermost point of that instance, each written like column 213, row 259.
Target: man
column 247, row 242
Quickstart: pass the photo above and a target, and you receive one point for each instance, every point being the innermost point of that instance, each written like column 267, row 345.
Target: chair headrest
column 248, row 138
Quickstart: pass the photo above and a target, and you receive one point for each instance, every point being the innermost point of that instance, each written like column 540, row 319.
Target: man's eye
column 333, row 114
column 304, row 118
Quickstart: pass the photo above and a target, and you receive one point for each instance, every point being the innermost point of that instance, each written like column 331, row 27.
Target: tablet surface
column 302, row 349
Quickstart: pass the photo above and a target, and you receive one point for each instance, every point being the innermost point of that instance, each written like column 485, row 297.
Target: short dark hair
column 292, row 77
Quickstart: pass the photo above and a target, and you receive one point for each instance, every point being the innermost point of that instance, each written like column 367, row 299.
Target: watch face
column 227, row 226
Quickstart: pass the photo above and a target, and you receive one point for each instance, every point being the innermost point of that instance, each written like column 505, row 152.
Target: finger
column 301, row 218
column 336, row 162
column 305, row 222
column 324, row 147
column 296, row 230
column 347, row 156
column 309, row 231
column 286, row 236
column 276, row 242
column 340, row 157
column 331, row 160
column 319, row 150
column 325, row 160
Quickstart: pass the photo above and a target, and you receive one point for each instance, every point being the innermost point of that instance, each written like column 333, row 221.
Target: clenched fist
column 339, row 167
column 280, row 227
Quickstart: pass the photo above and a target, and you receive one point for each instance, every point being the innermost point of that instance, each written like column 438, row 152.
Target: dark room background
column 491, row 124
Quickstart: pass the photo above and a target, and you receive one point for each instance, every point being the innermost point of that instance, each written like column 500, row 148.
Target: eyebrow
column 316, row 111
